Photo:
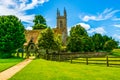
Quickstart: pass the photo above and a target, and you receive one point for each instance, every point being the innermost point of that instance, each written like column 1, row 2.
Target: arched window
column 61, row 24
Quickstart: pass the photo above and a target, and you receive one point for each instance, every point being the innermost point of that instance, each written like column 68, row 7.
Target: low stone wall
column 66, row 56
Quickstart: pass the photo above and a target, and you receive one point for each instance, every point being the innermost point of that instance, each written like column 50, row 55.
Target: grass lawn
column 99, row 61
column 40, row 69
column 116, row 52
column 7, row 63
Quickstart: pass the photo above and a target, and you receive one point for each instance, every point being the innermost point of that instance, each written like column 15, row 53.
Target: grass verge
column 115, row 52
column 7, row 63
column 40, row 69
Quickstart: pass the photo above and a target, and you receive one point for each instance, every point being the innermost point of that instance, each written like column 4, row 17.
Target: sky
column 96, row 16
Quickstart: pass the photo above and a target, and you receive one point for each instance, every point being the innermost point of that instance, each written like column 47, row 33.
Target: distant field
column 116, row 52
column 40, row 69
column 101, row 61
column 6, row 63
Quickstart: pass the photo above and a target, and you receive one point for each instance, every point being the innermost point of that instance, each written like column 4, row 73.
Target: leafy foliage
column 104, row 43
column 47, row 40
column 11, row 35
column 39, row 26
column 78, row 39
column 110, row 45
column 74, row 44
column 98, row 41
column 39, row 22
column 78, row 30
column 88, row 44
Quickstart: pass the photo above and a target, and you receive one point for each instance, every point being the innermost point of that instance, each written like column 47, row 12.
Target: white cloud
column 116, row 19
column 106, row 14
column 84, row 25
column 68, row 30
column 116, row 36
column 33, row 4
column 117, row 25
column 97, row 30
column 28, row 28
column 18, row 8
column 87, row 18
column 90, row 30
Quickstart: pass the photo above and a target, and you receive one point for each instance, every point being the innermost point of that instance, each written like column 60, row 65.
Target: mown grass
column 7, row 63
column 40, row 69
column 115, row 52
column 98, row 60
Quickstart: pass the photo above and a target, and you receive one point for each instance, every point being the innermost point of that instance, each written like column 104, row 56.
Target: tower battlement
column 62, row 25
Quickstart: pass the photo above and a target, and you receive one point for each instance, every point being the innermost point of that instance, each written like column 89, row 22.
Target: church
column 61, row 26
column 32, row 36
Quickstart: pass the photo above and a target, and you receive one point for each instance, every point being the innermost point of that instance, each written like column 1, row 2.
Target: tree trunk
column 47, row 54
column 46, row 51
column 22, row 54
column 17, row 54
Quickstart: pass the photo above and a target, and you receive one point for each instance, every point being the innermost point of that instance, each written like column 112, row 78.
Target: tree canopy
column 39, row 22
column 104, row 43
column 11, row 35
column 79, row 41
column 98, row 41
column 78, row 30
column 48, row 41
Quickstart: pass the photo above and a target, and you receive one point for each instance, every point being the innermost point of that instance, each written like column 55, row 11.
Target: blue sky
column 96, row 16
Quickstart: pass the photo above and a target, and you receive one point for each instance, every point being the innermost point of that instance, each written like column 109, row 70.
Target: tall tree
column 39, row 22
column 76, row 39
column 78, row 30
column 104, row 43
column 98, row 41
column 47, row 40
column 88, row 44
column 11, row 35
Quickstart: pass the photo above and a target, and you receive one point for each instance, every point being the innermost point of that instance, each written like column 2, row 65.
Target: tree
column 39, row 22
column 47, row 40
column 58, row 41
column 78, row 30
column 39, row 26
column 104, row 43
column 76, row 39
column 74, row 44
column 88, row 44
column 110, row 45
column 98, row 41
column 11, row 35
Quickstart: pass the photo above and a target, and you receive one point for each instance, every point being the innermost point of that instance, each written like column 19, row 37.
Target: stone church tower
column 62, row 25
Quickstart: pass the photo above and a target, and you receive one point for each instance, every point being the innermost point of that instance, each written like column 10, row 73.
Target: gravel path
column 5, row 75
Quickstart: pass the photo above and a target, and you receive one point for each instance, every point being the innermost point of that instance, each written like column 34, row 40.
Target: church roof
column 34, row 34
column 57, row 31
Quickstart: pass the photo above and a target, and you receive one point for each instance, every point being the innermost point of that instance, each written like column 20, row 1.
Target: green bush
column 5, row 55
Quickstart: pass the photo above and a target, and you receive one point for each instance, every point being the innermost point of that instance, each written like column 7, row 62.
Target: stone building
column 32, row 36
column 62, row 26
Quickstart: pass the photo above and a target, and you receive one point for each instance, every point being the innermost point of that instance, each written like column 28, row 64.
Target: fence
column 98, row 60
column 87, row 58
